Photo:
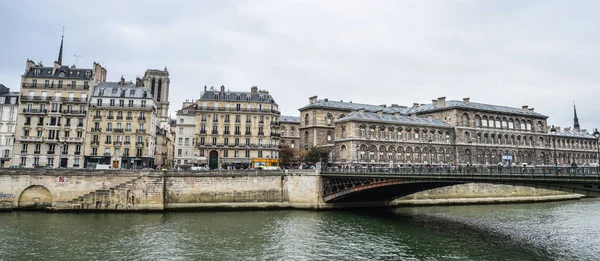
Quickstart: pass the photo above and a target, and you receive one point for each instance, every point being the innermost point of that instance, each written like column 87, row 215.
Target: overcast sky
column 541, row 53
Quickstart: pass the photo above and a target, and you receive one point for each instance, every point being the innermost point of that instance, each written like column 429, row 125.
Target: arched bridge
column 385, row 184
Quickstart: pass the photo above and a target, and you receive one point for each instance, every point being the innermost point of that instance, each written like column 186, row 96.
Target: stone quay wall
column 121, row 190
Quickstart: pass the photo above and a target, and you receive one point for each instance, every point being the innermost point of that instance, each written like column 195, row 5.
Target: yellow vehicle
column 261, row 163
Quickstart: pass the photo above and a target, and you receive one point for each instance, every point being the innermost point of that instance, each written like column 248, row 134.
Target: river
column 568, row 230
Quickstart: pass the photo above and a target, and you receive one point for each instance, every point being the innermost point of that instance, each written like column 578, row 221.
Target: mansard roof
column 116, row 90
column 65, row 72
column 394, row 119
column 216, row 95
column 569, row 134
column 290, row 119
column 350, row 106
column 454, row 104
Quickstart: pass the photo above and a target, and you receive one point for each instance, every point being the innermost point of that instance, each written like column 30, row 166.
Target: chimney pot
column 441, row 102
column 434, row 102
column 312, row 100
column 525, row 107
column 415, row 105
column 466, row 100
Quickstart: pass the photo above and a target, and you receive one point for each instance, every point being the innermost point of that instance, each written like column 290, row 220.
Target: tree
column 316, row 154
column 286, row 155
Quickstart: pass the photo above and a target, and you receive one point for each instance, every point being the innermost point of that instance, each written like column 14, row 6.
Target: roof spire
column 60, row 53
column 575, row 120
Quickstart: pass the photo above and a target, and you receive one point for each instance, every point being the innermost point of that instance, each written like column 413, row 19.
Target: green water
column 543, row 231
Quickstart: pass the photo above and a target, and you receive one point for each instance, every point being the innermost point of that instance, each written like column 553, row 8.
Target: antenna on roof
column 77, row 58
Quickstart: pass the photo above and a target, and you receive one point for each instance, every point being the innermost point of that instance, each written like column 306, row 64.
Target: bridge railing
column 587, row 172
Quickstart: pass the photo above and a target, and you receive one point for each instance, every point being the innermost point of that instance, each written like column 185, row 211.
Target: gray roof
column 453, row 104
column 292, row 119
column 574, row 135
column 233, row 96
column 114, row 89
column 392, row 119
column 69, row 72
column 350, row 106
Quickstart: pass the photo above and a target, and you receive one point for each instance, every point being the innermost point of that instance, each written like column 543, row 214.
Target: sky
column 539, row 53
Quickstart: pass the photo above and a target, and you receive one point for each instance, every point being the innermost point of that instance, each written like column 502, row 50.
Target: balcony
column 95, row 143
column 72, row 139
column 225, row 133
column 215, row 132
column 97, row 117
column 119, row 117
column 261, row 134
column 141, row 118
column 128, row 118
column 96, row 130
column 127, row 130
column 117, row 143
column 50, row 152
column 32, row 138
column 52, row 139
column 77, row 153
column 278, row 135
column 76, row 113
column 138, row 131
column 28, row 98
column 118, row 130
column 127, row 143
column 202, row 131
column 72, row 100
column 248, row 133
column 35, row 111
column 107, row 142
column 274, row 123
column 237, row 133
column 109, row 129
column 107, row 154
column 110, row 117
column 139, row 144
column 36, row 152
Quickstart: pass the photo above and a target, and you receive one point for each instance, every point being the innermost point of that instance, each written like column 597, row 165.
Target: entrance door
column 213, row 160
column 63, row 162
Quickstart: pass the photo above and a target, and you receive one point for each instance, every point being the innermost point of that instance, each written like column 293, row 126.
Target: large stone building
column 8, row 119
column 52, row 113
column 232, row 129
column 443, row 132
column 122, row 126
column 186, row 151
column 289, row 129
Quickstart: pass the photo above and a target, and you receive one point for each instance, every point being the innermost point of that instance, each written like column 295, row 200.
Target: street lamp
column 553, row 132
column 597, row 135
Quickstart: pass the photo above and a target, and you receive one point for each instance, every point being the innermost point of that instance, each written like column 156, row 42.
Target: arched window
column 328, row 136
column 306, row 137
column 343, row 131
column 341, row 116
column 292, row 144
column 465, row 119
column 511, row 124
column 363, row 131
column 467, row 136
column 484, row 121
column 306, row 119
column 477, row 121
column 292, row 131
column 540, row 126
column 343, row 153
column 329, row 119
column 282, row 131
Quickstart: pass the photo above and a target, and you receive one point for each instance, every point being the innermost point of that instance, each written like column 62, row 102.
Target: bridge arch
column 35, row 197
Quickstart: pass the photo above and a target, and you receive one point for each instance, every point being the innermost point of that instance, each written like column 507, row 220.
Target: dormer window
column 88, row 74
column 37, row 72
column 145, row 94
column 114, row 91
column 132, row 92
column 237, row 97
column 61, row 74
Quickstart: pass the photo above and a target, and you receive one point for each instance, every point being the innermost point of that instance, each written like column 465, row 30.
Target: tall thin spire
column 60, row 53
column 575, row 119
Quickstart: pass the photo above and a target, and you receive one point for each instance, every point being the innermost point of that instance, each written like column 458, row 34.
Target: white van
column 103, row 166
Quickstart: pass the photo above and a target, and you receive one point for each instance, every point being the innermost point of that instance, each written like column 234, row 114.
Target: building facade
column 8, row 119
column 52, row 114
column 122, row 126
column 443, row 132
column 290, row 132
column 186, row 151
column 232, row 129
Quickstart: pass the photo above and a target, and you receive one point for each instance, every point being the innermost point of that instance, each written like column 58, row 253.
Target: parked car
column 15, row 167
column 199, row 168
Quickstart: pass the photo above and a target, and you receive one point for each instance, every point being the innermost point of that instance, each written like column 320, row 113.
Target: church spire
column 575, row 119
column 60, row 52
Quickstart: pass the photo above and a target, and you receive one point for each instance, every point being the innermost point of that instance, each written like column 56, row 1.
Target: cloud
column 540, row 53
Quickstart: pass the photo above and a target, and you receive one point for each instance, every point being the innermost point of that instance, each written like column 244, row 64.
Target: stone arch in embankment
column 35, row 197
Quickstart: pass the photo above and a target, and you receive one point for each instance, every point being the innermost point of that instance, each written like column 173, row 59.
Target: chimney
column 415, row 105
column 222, row 88
column 441, row 102
column 394, row 105
column 361, row 111
column 434, row 102
column 29, row 64
column 531, row 109
column 204, row 87
column 584, row 131
column 525, row 107
column 466, row 100
column 254, row 89
column 312, row 100
column 122, row 82
column 383, row 105
column 557, row 128
column 379, row 113
column 326, row 100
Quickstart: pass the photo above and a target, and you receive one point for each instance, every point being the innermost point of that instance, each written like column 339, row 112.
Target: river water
column 567, row 230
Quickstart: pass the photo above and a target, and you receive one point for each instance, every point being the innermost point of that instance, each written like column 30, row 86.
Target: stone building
column 52, row 114
column 186, row 151
column 164, row 149
column 8, row 119
column 158, row 82
column 290, row 131
column 122, row 126
column 232, row 129
column 443, row 132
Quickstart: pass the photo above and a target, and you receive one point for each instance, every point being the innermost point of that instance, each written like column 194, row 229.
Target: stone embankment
column 121, row 190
